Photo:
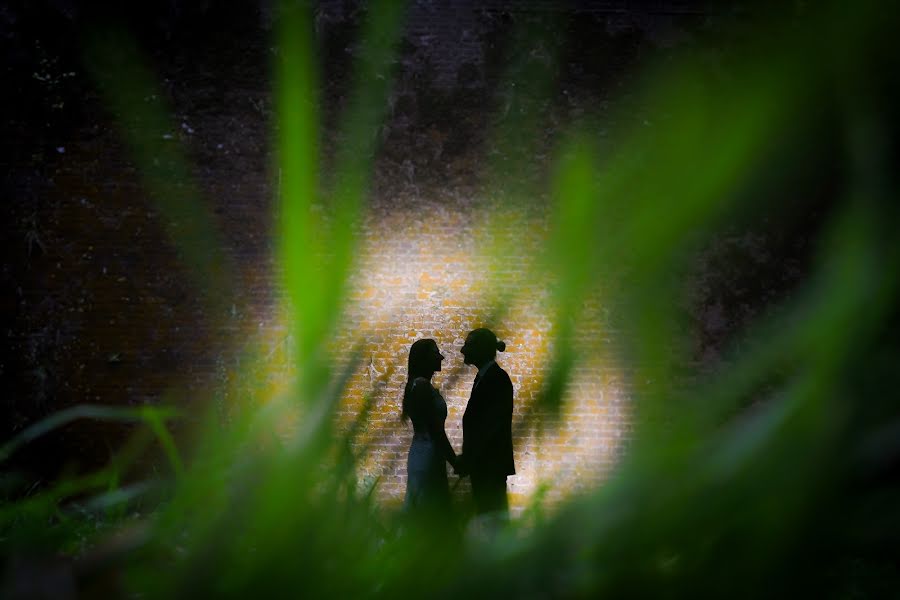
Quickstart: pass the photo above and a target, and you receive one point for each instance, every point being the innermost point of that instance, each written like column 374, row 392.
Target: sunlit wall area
column 439, row 271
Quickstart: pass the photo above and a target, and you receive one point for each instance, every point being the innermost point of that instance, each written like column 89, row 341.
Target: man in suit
column 487, row 455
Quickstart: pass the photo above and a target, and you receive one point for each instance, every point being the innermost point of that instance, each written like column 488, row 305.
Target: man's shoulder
column 499, row 374
column 421, row 385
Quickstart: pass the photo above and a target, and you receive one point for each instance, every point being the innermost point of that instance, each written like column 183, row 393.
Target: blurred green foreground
column 777, row 473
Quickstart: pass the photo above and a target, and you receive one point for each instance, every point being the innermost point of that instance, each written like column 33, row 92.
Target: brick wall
column 438, row 268
column 130, row 325
column 441, row 270
column 105, row 313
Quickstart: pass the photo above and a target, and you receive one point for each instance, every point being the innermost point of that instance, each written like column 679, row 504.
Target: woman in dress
column 426, row 484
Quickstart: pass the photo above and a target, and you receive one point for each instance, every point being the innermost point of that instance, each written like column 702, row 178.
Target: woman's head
column 481, row 347
column 424, row 358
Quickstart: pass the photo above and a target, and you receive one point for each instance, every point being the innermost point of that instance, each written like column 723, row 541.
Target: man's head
column 481, row 347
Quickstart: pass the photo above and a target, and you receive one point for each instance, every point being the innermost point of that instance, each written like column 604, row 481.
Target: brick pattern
column 109, row 297
column 438, row 270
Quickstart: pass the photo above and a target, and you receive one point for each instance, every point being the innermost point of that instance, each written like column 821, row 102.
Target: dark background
column 94, row 305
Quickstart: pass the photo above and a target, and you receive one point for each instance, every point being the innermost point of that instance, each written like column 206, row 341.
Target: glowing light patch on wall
column 439, row 272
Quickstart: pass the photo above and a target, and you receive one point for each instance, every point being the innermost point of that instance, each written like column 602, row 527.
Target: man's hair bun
column 501, row 345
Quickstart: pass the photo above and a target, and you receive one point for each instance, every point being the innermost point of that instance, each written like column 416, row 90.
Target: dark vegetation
column 758, row 245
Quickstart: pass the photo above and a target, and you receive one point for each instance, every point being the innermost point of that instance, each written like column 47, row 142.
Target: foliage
column 770, row 473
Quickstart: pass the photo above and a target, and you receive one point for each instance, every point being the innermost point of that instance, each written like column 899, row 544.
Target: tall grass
column 791, row 494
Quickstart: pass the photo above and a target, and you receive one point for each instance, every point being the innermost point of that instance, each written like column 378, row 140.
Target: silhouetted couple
column 487, row 453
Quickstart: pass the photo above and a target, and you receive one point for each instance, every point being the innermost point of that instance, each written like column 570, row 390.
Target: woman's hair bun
column 501, row 345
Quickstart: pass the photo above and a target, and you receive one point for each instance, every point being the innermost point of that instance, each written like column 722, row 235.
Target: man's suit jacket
column 487, row 425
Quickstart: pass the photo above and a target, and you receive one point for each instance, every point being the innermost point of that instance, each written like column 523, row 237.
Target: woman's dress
column 426, row 484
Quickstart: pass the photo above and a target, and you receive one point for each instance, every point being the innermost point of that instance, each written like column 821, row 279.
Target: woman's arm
column 424, row 412
column 439, row 436
column 424, row 399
